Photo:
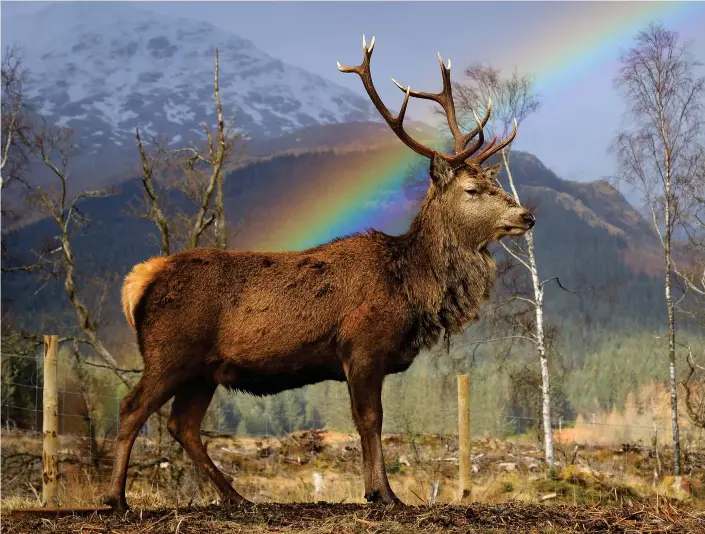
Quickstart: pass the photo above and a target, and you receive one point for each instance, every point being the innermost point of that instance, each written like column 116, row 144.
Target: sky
column 571, row 48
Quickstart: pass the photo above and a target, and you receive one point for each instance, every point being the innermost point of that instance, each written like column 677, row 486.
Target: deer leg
column 187, row 412
column 365, row 387
column 150, row 393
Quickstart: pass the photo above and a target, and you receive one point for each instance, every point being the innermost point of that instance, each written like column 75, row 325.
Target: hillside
column 587, row 234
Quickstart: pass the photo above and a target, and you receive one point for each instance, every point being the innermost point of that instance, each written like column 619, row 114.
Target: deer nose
column 529, row 219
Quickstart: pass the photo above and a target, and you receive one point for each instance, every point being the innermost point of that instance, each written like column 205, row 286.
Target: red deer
column 355, row 309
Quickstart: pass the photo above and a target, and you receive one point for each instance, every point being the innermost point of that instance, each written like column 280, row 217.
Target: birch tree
column 511, row 98
column 657, row 152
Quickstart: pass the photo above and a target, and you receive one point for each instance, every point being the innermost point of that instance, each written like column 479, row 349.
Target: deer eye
column 472, row 192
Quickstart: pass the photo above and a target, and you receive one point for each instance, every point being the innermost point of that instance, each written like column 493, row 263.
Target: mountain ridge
column 104, row 69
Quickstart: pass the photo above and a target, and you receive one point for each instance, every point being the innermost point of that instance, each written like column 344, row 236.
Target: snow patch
column 63, row 120
column 112, row 113
column 178, row 113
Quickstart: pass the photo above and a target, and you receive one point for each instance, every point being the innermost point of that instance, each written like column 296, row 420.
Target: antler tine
column 493, row 150
column 479, row 128
column 395, row 123
column 445, row 99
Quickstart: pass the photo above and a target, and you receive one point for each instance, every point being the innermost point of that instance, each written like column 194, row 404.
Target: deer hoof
column 117, row 504
column 378, row 496
column 234, row 503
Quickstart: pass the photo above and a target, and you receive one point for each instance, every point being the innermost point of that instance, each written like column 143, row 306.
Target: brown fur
column 355, row 309
column 136, row 283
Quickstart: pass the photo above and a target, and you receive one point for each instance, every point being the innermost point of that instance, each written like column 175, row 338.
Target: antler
column 444, row 98
column 395, row 123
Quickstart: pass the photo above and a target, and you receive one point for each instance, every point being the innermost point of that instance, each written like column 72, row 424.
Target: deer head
column 463, row 193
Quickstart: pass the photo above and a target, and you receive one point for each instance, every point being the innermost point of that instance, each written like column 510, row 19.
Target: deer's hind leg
column 148, row 395
column 187, row 412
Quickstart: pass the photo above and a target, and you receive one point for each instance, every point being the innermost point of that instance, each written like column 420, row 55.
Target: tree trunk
column 84, row 320
column 541, row 349
column 672, row 349
column 667, row 157
column 540, row 336
column 221, row 238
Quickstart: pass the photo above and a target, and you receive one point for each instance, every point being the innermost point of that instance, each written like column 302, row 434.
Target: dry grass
column 593, row 485
column 306, row 467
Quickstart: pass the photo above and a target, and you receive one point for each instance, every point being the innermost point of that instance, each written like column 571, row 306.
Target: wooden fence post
column 464, row 463
column 50, row 421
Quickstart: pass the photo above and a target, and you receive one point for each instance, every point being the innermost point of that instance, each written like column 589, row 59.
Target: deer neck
column 445, row 279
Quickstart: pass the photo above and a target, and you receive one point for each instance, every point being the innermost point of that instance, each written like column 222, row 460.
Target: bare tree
column 657, row 152
column 54, row 148
column 513, row 98
column 692, row 276
column 14, row 151
column 26, row 137
column 198, row 174
column 199, row 177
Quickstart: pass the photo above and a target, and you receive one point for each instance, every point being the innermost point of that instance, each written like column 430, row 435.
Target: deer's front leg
column 365, row 387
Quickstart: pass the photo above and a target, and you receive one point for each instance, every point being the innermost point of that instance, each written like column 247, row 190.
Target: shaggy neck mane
column 445, row 279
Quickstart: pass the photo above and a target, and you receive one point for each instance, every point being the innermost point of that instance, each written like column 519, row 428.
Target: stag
column 355, row 309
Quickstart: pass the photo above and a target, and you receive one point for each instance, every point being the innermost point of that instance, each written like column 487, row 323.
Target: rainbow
column 368, row 194
column 359, row 197
column 588, row 36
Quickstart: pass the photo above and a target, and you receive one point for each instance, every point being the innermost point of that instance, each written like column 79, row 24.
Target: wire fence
column 285, row 455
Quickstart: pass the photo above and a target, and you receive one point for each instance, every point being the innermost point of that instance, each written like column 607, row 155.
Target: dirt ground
column 342, row 518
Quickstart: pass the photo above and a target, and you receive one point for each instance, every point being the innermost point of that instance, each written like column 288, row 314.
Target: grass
column 509, row 480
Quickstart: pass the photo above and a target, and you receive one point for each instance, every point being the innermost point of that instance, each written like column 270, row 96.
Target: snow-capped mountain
column 106, row 68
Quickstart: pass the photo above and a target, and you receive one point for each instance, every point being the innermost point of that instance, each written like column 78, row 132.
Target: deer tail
column 136, row 284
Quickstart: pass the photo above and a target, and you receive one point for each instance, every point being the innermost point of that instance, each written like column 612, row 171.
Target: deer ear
column 493, row 172
column 441, row 171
